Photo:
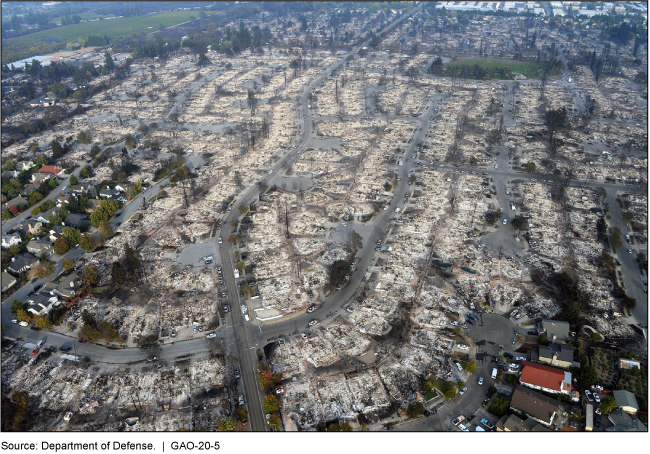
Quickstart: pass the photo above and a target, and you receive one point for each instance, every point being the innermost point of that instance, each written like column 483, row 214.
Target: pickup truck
column 458, row 420
column 487, row 424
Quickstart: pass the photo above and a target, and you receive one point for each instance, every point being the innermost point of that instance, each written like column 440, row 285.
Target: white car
column 211, row 335
column 385, row 207
column 463, row 428
column 596, row 397
column 397, row 210
column 463, row 347
column 480, row 380
column 14, row 321
column 23, row 324
column 505, row 221
column 589, row 395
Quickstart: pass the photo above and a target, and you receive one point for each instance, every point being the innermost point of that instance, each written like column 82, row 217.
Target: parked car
column 313, row 322
column 23, row 323
column 589, row 395
column 458, row 420
column 240, row 399
column 463, row 428
column 480, row 380
column 596, row 397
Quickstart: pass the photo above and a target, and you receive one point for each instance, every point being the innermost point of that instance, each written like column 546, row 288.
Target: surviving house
column 559, row 355
column 40, row 247
column 9, row 240
column 555, row 331
column 513, row 423
column 534, row 405
column 52, row 170
column 77, row 220
column 8, row 281
column 623, row 422
column 41, row 303
column 545, row 378
column 626, row 401
column 22, row 262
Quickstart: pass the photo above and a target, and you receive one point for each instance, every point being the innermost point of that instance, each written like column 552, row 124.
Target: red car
column 35, row 351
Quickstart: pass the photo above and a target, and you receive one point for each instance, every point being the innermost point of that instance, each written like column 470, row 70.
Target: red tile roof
column 542, row 376
column 51, row 169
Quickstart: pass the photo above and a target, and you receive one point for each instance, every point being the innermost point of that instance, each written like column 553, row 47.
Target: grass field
column 84, row 16
column 48, row 41
column 500, row 68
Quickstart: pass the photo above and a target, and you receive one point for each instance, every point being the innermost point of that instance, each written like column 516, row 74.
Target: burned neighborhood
column 406, row 216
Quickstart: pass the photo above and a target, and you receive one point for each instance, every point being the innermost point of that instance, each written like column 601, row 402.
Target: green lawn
column 48, row 41
column 499, row 68
column 430, row 395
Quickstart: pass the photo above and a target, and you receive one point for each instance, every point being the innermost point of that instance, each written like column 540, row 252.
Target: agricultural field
column 48, row 41
column 494, row 68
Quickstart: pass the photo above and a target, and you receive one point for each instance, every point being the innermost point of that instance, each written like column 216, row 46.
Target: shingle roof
column 543, row 376
column 625, row 399
column 534, row 404
column 564, row 352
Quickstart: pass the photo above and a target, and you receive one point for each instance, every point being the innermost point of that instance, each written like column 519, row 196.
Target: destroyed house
column 545, row 378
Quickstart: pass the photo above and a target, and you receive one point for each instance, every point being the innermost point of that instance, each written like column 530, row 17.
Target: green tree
column 23, row 316
column 42, row 322
column 469, row 367
column 246, row 290
column 232, row 239
column 68, row 263
column 226, row 426
column 129, row 142
column 84, row 137
column 243, row 209
column 109, row 64
column 241, row 266
column 530, row 167
column 73, row 180
column 595, row 337
column 275, row 422
column 18, row 305
column 607, row 404
column 86, row 171
column 90, row 242
column 72, row 235
column 271, row 403
column 241, row 413
column 450, row 393
column 35, row 197
column 460, row 384
column 415, row 409
column 105, row 230
column 91, row 274
column 500, row 405
column 588, row 376
column 61, row 246
column 615, row 237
